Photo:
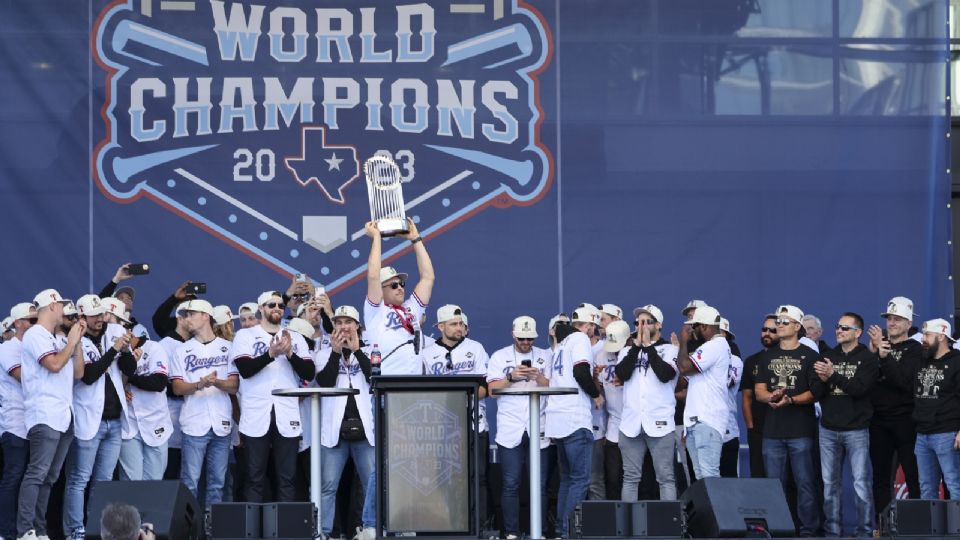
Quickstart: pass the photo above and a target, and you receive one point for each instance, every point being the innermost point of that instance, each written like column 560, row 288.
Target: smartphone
column 885, row 336
column 138, row 269
column 196, row 288
column 300, row 277
column 320, row 290
column 526, row 363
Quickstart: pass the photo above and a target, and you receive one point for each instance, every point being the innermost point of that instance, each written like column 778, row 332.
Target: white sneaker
column 368, row 533
column 511, row 537
column 43, row 537
column 29, row 535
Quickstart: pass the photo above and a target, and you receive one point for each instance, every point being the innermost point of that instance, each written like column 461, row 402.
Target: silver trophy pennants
column 386, row 195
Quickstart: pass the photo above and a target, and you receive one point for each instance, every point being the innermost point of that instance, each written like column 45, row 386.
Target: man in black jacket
column 892, row 431
column 849, row 373
column 937, row 412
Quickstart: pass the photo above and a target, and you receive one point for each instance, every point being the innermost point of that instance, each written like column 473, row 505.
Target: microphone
column 415, row 322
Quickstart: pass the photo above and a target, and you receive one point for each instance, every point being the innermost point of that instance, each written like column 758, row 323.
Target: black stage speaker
column 918, row 517
column 234, row 521
column 600, row 519
column 289, row 521
column 736, row 507
column 662, row 519
column 167, row 504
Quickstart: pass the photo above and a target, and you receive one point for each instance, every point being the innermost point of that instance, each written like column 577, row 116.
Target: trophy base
column 392, row 226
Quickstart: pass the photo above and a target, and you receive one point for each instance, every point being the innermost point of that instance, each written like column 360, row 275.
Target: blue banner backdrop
column 746, row 152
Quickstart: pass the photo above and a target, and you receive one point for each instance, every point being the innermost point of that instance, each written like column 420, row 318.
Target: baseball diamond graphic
column 251, row 121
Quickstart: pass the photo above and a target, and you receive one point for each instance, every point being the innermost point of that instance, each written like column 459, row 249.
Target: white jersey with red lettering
column 390, row 329
column 568, row 413
column 148, row 413
column 51, row 394
column 209, row 408
column 11, row 392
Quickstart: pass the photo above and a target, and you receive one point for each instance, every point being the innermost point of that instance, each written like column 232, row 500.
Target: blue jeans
column 332, row 461
column 369, row 515
column 15, row 454
column 513, row 464
column 575, row 451
column 89, row 462
column 936, row 455
column 705, row 445
column 799, row 452
column 856, row 446
column 139, row 461
column 213, row 449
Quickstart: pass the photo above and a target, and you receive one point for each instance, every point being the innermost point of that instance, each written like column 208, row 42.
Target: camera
column 138, row 269
column 196, row 288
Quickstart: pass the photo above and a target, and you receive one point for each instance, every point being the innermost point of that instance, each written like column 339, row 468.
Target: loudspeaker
column 662, row 519
column 736, row 507
column 289, row 521
column 600, row 519
column 919, row 517
column 167, row 504
column 234, row 521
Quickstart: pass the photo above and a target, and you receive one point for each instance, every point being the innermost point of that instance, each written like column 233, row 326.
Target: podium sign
column 427, row 478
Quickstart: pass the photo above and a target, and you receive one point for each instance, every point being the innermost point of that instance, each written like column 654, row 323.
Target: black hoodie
column 845, row 399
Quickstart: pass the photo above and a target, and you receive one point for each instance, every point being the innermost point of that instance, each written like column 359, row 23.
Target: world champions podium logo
column 251, row 119
column 426, row 446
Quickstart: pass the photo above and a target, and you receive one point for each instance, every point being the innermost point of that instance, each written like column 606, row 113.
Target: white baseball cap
column 725, row 326
column 705, row 315
column 115, row 307
column 222, row 314
column 69, row 310
column 349, row 312
column 588, row 305
column 792, row 312
column 651, row 310
column 89, row 305
column 195, row 305
column 586, row 314
column 525, row 327
column 617, row 334
column 612, row 309
column 389, row 272
column 463, row 316
column 46, row 297
column 938, row 326
column 266, row 296
column 693, row 304
column 6, row 325
column 249, row 306
column 449, row 312
column 302, row 327
column 23, row 310
column 180, row 311
column 560, row 317
column 900, row 306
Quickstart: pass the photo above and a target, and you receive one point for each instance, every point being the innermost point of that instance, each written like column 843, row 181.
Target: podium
column 427, row 454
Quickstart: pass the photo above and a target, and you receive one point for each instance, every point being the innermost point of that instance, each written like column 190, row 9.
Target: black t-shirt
column 892, row 396
column 750, row 367
column 792, row 370
column 936, row 395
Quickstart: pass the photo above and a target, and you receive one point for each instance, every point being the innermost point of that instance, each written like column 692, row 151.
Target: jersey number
column 558, row 363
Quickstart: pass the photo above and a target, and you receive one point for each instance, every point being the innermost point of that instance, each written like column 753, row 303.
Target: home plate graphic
column 252, row 121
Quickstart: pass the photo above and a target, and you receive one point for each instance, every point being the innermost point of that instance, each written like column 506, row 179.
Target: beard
column 927, row 351
column 767, row 341
column 274, row 317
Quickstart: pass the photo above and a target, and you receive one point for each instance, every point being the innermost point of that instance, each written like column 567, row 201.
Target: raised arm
column 374, row 290
column 424, row 287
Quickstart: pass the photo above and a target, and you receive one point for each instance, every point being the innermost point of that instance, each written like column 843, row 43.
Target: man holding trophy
column 391, row 321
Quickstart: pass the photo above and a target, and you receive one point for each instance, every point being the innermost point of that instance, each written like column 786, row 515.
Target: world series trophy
column 386, row 195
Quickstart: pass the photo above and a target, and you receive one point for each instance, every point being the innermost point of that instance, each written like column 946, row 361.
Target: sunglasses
column 396, row 285
column 525, row 339
column 766, row 330
column 845, row 328
column 273, row 305
column 67, row 317
column 784, row 322
column 646, row 321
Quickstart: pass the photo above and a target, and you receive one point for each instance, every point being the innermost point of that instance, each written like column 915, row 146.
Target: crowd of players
column 88, row 392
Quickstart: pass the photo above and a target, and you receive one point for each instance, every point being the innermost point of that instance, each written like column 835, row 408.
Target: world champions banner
column 252, row 120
